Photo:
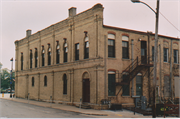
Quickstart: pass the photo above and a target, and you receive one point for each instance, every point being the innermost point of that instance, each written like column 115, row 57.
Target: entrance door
column 143, row 52
column 86, row 90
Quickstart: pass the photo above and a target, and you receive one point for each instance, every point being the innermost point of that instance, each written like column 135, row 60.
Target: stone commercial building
column 80, row 57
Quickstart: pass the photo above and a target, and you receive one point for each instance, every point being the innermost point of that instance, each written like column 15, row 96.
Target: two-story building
column 80, row 57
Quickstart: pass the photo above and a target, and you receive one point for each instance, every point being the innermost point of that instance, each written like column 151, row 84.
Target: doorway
column 143, row 52
column 86, row 90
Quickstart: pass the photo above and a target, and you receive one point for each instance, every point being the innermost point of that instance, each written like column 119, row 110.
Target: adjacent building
column 81, row 58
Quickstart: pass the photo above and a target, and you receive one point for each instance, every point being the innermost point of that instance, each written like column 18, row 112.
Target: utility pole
column 155, row 53
column 155, row 61
column 11, row 77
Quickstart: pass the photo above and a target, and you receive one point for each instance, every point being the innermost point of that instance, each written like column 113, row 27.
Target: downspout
column 53, row 47
column 171, row 71
column 132, row 59
column 39, row 54
column 96, row 84
column 73, row 86
column 149, row 86
column 96, row 35
column 52, row 85
column 105, row 67
column 39, row 87
column 160, row 75
column 27, row 85
column 70, row 85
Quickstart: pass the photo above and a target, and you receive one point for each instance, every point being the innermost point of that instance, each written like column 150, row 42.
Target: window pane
column 111, row 85
column 165, row 55
column 87, row 44
column 125, row 87
column 124, row 44
column 175, row 56
column 77, row 46
column 111, row 48
column 153, row 53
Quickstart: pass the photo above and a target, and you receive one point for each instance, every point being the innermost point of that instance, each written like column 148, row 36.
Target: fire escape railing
column 135, row 67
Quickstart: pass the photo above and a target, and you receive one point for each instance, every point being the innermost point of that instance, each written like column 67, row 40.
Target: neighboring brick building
column 80, row 57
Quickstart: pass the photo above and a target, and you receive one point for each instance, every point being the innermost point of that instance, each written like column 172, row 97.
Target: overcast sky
column 16, row 16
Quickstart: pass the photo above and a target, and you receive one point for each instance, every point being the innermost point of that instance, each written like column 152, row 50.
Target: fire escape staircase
column 132, row 70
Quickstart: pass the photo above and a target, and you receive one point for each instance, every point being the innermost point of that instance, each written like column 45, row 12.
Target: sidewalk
column 90, row 112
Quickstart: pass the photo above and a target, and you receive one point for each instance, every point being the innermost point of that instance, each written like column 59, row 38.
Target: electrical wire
column 170, row 22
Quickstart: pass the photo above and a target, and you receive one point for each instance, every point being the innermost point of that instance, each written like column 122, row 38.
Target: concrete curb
column 16, row 100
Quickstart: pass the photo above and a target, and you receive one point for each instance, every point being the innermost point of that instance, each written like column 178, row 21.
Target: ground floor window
column 138, row 85
column 111, row 84
column 125, row 87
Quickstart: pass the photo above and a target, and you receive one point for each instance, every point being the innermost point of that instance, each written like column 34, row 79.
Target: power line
column 170, row 22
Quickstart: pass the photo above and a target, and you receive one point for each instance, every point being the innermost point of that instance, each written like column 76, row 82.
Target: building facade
column 80, row 58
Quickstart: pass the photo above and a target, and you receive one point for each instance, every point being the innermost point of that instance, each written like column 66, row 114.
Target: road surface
column 11, row 109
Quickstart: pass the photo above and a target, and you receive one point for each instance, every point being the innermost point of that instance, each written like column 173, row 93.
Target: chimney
column 72, row 11
column 28, row 32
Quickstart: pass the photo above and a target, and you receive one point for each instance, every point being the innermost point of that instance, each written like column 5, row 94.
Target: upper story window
column 57, row 53
column 21, row 61
column 165, row 54
column 31, row 58
column 45, row 80
column 152, row 53
column 111, row 45
column 65, row 51
column 36, row 57
column 49, row 54
column 43, row 55
column 176, row 56
column 86, row 47
column 77, row 51
column 125, row 47
column 32, row 81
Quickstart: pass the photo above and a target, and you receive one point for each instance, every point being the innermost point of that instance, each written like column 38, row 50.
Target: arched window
column 57, row 53
column 77, row 51
column 31, row 58
column 21, row 61
column 32, row 81
column 49, row 54
column 45, row 80
column 125, row 47
column 125, row 86
column 111, row 83
column 64, row 84
column 43, row 55
column 36, row 57
column 111, row 45
column 86, row 48
column 65, row 52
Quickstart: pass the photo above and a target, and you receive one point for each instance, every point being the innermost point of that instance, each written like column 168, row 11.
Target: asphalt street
column 11, row 109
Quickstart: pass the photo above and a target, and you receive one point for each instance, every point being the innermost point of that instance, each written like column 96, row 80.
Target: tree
column 5, row 78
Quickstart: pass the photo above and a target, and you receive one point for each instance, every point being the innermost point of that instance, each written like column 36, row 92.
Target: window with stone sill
column 43, row 56
column 77, row 51
column 31, row 59
column 49, row 54
column 65, row 52
column 86, row 48
column 57, row 53
column 21, row 61
column 36, row 57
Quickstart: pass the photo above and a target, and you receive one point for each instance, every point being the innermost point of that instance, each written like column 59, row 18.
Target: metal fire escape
column 133, row 69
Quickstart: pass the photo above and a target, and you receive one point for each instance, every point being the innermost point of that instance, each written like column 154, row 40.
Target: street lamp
column 155, row 52
column 11, row 77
